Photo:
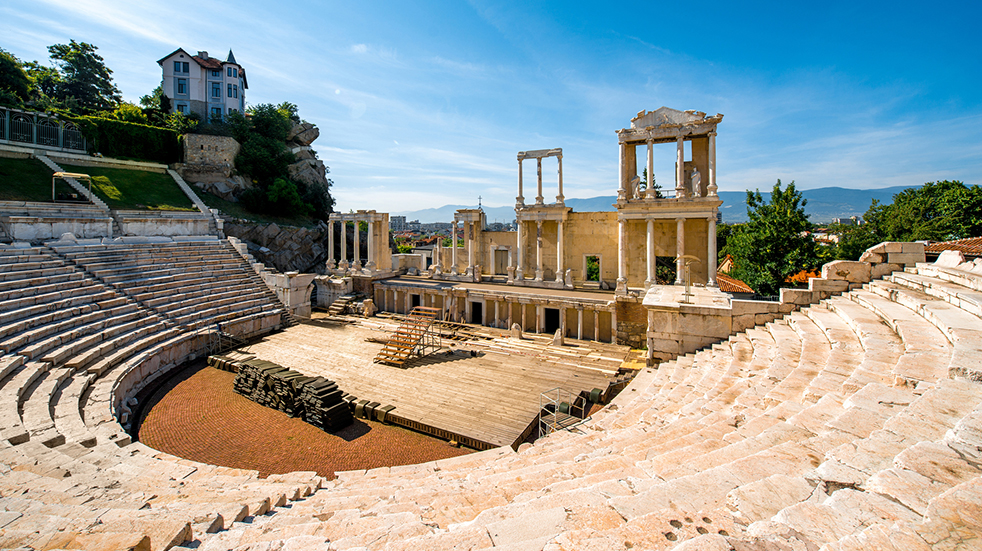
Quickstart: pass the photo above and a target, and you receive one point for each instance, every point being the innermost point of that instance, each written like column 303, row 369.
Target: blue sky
column 422, row 104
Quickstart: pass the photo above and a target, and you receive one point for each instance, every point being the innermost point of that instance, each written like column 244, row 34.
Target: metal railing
column 28, row 127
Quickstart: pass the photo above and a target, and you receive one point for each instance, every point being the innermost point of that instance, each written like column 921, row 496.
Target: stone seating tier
column 839, row 426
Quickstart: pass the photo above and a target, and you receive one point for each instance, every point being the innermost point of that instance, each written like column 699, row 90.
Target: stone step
column 928, row 351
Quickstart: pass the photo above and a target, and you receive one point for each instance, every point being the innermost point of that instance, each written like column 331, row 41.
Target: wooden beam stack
column 316, row 400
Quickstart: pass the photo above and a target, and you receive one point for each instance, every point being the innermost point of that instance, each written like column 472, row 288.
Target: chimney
column 203, row 55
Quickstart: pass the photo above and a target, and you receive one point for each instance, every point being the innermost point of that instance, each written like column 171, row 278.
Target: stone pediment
column 665, row 116
column 666, row 124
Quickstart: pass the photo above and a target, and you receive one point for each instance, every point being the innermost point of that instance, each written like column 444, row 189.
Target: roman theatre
column 580, row 383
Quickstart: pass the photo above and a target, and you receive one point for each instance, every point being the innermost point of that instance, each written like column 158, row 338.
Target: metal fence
column 27, row 127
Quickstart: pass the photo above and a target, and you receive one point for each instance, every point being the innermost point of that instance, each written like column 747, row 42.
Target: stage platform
column 482, row 392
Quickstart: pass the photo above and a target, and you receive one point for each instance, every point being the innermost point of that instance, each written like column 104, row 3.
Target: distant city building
column 852, row 220
column 434, row 227
column 397, row 223
column 202, row 84
column 413, row 225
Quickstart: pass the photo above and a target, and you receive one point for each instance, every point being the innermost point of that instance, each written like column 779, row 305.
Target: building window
column 235, row 91
column 216, row 113
column 215, row 73
column 232, row 110
column 229, row 90
column 182, row 108
column 177, row 66
column 216, row 89
column 182, row 86
column 182, row 67
column 235, row 73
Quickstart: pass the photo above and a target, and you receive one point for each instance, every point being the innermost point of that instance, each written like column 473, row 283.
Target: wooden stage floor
column 492, row 397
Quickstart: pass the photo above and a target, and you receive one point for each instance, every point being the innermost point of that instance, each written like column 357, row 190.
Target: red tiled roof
column 210, row 63
column 969, row 246
column 729, row 285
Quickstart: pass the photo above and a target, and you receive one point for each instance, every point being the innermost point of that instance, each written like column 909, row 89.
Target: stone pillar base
column 621, row 287
column 538, row 275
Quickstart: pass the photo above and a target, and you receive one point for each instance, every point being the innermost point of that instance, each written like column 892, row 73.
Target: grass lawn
column 28, row 180
column 236, row 210
column 121, row 188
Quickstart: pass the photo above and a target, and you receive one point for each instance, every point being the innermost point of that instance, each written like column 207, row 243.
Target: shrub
column 114, row 138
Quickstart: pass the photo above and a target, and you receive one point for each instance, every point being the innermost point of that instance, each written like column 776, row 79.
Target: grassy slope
column 27, row 180
column 134, row 189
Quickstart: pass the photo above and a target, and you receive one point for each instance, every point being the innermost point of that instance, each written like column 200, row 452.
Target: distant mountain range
column 824, row 204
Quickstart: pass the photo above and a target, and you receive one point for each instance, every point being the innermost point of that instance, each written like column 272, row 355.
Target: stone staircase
column 340, row 305
column 855, row 423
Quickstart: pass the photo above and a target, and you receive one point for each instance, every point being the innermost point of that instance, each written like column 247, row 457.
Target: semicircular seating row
column 852, row 424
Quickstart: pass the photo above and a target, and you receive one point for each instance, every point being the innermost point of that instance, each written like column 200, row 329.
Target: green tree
column 45, row 82
column 936, row 211
column 153, row 100
column 129, row 113
column 773, row 245
column 269, row 121
column 85, row 77
column 643, row 186
column 15, row 85
column 284, row 199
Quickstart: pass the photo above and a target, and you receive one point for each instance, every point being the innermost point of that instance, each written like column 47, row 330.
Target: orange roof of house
column 970, row 246
column 729, row 285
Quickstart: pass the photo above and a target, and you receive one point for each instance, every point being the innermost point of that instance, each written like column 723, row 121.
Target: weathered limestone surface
column 846, row 425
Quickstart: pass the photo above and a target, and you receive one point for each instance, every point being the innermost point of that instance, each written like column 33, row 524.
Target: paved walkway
column 198, row 416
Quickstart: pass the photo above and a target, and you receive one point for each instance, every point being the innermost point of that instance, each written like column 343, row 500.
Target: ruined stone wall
column 286, row 248
column 217, row 151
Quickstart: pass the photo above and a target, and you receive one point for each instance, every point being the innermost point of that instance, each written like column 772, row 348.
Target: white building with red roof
column 202, row 84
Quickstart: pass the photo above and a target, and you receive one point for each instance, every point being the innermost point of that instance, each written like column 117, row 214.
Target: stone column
column 471, row 227
column 409, row 302
column 496, row 316
column 650, row 192
column 371, row 245
column 579, row 322
column 468, row 310
column 453, row 243
column 357, row 245
column 621, row 257
column 524, row 322
column 711, row 252
column 520, row 200
column 330, row 246
column 538, row 166
column 520, row 271
column 680, row 250
column 613, row 326
column 443, row 305
column 538, row 250
column 596, row 325
column 562, row 322
column 711, row 188
column 560, row 269
column 539, row 314
column 652, row 278
column 508, row 306
column 344, row 245
column 437, row 250
column 680, row 168
column 621, row 175
column 560, row 198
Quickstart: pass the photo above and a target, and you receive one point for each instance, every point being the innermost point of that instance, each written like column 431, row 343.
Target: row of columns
column 538, row 156
column 354, row 264
column 681, row 191
column 450, row 310
column 470, row 234
column 651, row 253
column 539, row 270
